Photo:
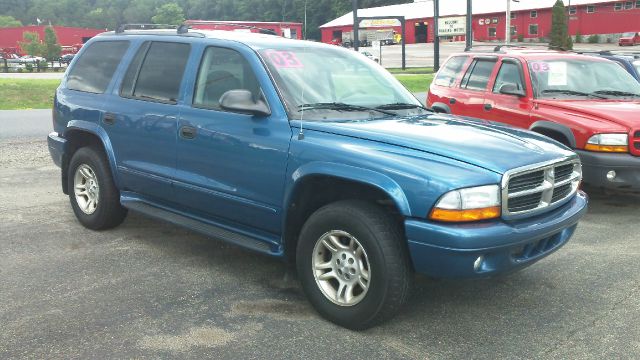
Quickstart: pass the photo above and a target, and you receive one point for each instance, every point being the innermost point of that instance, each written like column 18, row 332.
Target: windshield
column 345, row 84
column 629, row 34
column 573, row 79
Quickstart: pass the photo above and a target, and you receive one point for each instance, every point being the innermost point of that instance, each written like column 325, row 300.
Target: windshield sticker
column 557, row 74
column 284, row 59
column 540, row 66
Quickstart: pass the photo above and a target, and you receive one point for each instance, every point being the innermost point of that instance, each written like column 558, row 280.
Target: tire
column 90, row 164
column 383, row 264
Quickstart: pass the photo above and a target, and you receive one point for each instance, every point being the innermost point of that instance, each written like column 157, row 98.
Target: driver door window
column 509, row 74
column 222, row 70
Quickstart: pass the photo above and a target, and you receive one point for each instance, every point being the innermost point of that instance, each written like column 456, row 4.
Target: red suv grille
column 634, row 146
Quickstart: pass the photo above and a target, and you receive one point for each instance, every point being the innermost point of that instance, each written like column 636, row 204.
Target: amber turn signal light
column 607, row 148
column 465, row 215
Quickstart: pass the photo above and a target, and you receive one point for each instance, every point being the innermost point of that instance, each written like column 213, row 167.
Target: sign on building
column 450, row 26
column 369, row 23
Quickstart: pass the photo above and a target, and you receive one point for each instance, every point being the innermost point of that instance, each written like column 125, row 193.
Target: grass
column 416, row 83
column 18, row 94
column 414, row 70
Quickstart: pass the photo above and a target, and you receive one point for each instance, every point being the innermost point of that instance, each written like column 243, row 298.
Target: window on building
column 533, row 29
column 533, row 14
column 513, row 15
column 628, row 5
column 478, row 74
column 509, row 73
column 573, row 10
column 617, row 6
column 160, row 74
column 492, row 32
column 514, row 30
column 449, row 73
column 591, row 9
column 222, row 70
column 95, row 67
column 637, row 4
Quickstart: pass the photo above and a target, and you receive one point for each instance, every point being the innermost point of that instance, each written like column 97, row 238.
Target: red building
column 70, row 38
column 531, row 19
column 287, row 29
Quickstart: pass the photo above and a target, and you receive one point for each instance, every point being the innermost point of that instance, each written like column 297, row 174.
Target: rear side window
column 478, row 74
column 222, row 70
column 447, row 75
column 94, row 69
column 156, row 72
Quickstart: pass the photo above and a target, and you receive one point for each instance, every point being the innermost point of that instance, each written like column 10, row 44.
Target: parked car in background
column 31, row 59
column 630, row 61
column 67, row 58
column 589, row 104
column 307, row 152
column 629, row 39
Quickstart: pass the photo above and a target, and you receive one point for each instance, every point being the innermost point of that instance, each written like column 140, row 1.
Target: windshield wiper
column 401, row 106
column 616, row 93
column 340, row 107
column 572, row 92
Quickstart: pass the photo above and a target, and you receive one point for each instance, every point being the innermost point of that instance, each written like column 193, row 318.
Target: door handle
column 488, row 107
column 188, row 132
column 452, row 101
column 109, row 118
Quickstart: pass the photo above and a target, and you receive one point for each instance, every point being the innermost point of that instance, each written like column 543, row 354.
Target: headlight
column 608, row 143
column 470, row 204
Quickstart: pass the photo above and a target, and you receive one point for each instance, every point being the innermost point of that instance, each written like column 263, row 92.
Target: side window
column 222, row 70
column 156, row 72
column 478, row 75
column 94, row 69
column 509, row 73
column 447, row 75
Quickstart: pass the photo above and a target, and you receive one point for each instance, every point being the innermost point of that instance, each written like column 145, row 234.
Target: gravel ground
column 151, row 290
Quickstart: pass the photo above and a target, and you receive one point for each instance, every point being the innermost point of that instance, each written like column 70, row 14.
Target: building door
column 337, row 34
column 422, row 29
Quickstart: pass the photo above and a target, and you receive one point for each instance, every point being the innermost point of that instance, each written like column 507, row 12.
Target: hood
column 481, row 143
column 625, row 113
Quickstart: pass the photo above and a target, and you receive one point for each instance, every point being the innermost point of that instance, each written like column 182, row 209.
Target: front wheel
column 353, row 264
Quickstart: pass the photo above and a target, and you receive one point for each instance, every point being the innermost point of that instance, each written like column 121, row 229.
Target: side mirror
column 511, row 89
column 241, row 101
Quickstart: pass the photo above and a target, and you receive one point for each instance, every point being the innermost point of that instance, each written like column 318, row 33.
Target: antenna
column 301, row 133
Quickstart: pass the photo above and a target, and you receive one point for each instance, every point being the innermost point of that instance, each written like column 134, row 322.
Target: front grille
column 635, row 149
column 537, row 248
column 529, row 190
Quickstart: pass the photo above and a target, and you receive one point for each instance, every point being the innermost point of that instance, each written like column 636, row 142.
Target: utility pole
column 507, row 31
column 469, row 35
column 436, row 38
column 355, row 40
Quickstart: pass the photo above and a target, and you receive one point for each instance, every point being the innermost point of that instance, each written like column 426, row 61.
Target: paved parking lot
column 148, row 290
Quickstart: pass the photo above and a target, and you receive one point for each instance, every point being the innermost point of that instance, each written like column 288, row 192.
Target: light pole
column 507, row 31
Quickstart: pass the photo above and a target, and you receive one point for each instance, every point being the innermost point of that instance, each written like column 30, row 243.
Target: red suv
column 629, row 39
column 589, row 104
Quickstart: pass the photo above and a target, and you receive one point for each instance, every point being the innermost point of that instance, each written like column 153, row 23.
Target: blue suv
column 307, row 152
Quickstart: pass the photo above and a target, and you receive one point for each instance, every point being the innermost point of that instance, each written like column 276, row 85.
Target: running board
column 199, row 226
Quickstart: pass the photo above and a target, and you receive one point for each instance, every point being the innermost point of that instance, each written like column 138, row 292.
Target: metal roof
column 424, row 9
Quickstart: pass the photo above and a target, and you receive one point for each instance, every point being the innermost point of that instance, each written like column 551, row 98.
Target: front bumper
column 56, row 147
column 488, row 248
column 595, row 167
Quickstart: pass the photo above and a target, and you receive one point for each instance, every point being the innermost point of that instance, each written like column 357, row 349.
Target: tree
column 52, row 49
column 170, row 13
column 32, row 44
column 9, row 21
column 559, row 32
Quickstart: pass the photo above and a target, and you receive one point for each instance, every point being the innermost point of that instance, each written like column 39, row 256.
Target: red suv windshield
column 573, row 78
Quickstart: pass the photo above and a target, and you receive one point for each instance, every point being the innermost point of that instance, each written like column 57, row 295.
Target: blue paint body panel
column 240, row 172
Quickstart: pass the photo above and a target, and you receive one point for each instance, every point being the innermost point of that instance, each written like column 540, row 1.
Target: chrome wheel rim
column 341, row 268
column 86, row 189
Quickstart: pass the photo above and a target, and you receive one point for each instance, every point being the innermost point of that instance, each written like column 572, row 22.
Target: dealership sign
column 452, row 26
column 369, row 23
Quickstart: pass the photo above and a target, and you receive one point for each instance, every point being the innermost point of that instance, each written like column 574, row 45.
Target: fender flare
column 100, row 133
column 559, row 128
column 349, row 173
column 441, row 108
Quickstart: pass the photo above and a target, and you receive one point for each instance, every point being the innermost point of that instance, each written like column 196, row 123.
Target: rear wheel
column 94, row 197
column 353, row 264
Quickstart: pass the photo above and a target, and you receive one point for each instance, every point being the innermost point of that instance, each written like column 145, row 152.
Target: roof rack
column 499, row 47
column 224, row 23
